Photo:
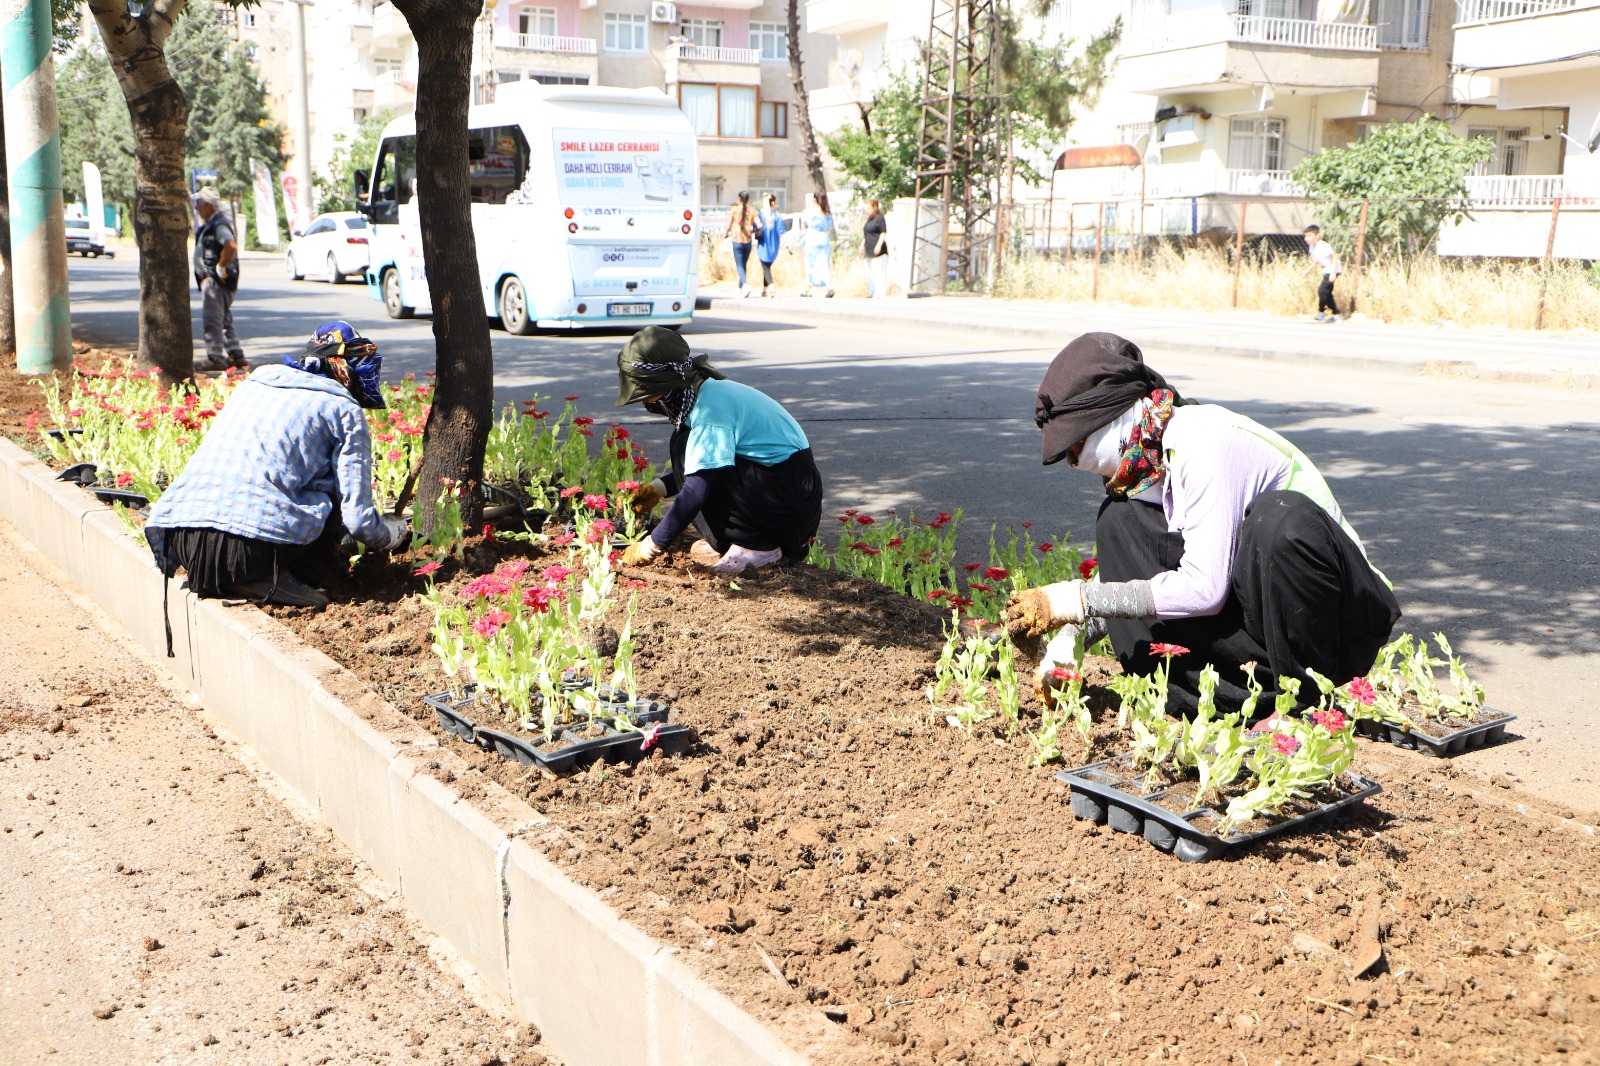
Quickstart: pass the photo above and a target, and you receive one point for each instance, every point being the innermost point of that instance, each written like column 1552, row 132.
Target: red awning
column 1108, row 155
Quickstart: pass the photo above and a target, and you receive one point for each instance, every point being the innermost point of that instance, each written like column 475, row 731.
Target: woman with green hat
column 742, row 469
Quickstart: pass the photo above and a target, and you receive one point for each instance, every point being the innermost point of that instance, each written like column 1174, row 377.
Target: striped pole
column 33, row 156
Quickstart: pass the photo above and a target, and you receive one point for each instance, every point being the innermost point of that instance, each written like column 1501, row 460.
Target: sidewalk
column 1560, row 360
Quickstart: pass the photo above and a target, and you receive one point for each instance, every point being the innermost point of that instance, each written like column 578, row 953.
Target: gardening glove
column 1035, row 612
column 396, row 534
column 645, row 497
column 643, row 553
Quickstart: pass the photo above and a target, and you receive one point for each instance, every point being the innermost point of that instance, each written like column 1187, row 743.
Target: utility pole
column 300, row 114
column 33, row 164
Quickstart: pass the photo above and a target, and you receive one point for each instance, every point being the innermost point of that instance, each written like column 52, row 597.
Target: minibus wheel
column 391, row 295
column 514, row 308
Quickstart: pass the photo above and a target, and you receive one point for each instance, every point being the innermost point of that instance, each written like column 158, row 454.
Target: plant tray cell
column 1467, row 738
column 1100, row 794
column 568, row 752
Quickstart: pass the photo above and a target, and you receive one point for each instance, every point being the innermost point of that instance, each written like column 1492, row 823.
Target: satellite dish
column 1594, row 135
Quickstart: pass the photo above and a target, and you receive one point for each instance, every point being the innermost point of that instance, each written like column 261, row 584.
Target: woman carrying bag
column 769, row 240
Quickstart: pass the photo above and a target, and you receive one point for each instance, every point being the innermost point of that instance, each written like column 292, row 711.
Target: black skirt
column 760, row 507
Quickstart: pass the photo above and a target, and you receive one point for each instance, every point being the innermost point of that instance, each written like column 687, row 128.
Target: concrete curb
column 1544, row 371
column 601, row 992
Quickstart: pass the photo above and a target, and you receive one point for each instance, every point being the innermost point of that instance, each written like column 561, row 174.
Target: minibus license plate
column 627, row 310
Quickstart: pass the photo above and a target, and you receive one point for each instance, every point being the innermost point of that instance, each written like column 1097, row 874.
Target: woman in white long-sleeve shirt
column 1216, row 535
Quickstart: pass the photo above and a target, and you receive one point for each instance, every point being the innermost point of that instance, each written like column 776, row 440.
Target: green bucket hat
column 655, row 362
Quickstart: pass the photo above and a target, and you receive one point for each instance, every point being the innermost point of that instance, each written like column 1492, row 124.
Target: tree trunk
column 8, row 305
column 463, row 401
column 135, row 45
column 802, row 106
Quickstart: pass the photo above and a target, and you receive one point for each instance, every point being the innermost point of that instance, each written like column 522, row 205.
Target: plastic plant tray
column 1467, row 738
column 613, row 745
column 1097, row 797
column 122, row 496
column 84, row 474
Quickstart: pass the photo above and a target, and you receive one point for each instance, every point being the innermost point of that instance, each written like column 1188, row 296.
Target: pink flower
column 1064, row 673
column 627, row 486
column 1284, row 744
column 394, row 455
column 650, row 736
column 557, row 574
column 1168, row 650
column 512, row 570
column 596, row 502
column 1362, row 692
column 1332, row 720
column 1046, row 547
column 570, row 491
column 634, row 583
column 491, row 623
column 562, row 540
column 124, row 479
column 426, row 568
column 485, row 585
column 996, row 573
column 1086, row 568
column 537, row 599
column 599, row 530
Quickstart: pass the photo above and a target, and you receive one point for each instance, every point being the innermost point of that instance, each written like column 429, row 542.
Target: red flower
column 852, row 512
column 845, row 519
column 394, row 455
column 562, row 540
column 640, row 464
column 944, row 518
column 996, row 573
column 1027, row 525
column 426, row 568
column 937, row 594
column 1284, row 744
column 1362, row 692
column 895, row 542
column 572, row 399
column 1332, row 720
column 1168, row 650
column 537, row 599
column 1046, row 546
column 973, row 586
column 865, row 548
column 124, row 479
column 1087, row 568
column 584, row 421
column 961, row 603
column 599, row 530
column 864, row 519
column 634, row 583
column 620, row 432
column 1064, row 673
column 570, row 491
column 969, row 567
column 488, row 530
column 491, row 623
column 650, row 735
column 531, row 413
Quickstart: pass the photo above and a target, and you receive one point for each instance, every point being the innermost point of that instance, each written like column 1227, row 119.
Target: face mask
column 656, row 407
column 1102, row 449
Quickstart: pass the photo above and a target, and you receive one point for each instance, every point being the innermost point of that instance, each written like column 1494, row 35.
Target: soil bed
column 928, row 890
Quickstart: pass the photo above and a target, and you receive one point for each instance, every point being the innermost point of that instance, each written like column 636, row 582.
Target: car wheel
column 391, row 296
column 290, row 268
column 514, row 312
column 335, row 275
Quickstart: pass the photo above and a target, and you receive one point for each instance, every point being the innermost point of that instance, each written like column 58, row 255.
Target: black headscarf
column 656, row 362
column 1092, row 381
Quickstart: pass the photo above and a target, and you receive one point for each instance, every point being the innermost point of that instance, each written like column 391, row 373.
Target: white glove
column 397, row 534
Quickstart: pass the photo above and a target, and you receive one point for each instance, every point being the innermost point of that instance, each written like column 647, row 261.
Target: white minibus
column 584, row 204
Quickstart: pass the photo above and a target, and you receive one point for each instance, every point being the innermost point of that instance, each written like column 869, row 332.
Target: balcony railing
column 1516, row 190
column 1469, row 12
column 541, row 42
column 1260, row 183
column 1305, row 33
column 701, row 53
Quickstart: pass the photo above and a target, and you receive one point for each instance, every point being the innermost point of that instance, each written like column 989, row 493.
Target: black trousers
column 1325, row 296
column 1301, row 595
column 215, row 562
column 760, row 507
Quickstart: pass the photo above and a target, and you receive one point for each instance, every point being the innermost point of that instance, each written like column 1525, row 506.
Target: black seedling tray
column 84, row 474
column 1097, row 797
column 122, row 496
column 1467, row 738
column 613, row 746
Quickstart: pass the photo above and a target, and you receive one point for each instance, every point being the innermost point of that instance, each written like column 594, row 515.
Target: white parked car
column 334, row 245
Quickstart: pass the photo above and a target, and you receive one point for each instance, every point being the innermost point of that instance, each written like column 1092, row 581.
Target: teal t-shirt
column 730, row 419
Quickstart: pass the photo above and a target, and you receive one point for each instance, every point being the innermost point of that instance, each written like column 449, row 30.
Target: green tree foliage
column 335, row 190
column 1043, row 83
column 94, row 126
column 1413, row 174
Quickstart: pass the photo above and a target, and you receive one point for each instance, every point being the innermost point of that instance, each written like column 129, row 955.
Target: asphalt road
column 1478, row 499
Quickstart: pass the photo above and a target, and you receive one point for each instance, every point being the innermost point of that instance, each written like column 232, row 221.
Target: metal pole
column 300, row 114
column 1238, row 252
column 1141, row 205
column 1050, row 219
column 1544, row 279
column 1361, row 248
column 1099, row 230
column 33, row 168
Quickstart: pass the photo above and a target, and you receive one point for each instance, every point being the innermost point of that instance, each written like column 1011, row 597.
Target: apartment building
column 725, row 61
column 1537, row 63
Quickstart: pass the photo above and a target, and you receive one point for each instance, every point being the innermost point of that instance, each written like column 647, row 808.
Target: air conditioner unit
column 661, row 11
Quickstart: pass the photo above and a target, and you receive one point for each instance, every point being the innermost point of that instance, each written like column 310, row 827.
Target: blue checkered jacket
column 287, row 448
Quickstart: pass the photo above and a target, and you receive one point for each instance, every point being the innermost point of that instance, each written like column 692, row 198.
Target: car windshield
column 77, row 223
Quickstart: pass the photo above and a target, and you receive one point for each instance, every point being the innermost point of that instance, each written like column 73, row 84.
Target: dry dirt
column 935, row 895
column 159, row 904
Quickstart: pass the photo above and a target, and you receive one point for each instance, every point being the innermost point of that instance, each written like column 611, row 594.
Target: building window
column 774, row 119
column 719, row 110
column 247, row 20
column 503, row 76
column 771, row 39
column 1510, row 150
column 386, row 65
column 1256, row 144
column 1402, row 24
column 537, row 21
column 560, row 79
column 760, row 187
column 703, row 33
column 625, row 33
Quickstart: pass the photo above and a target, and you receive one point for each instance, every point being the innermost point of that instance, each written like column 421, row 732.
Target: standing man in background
column 1326, row 260
column 216, row 271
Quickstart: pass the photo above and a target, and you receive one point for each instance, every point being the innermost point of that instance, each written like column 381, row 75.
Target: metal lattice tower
column 961, row 147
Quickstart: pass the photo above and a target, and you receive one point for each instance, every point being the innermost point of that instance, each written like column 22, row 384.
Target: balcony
column 723, row 66
column 389, row 27
column 1516, row 190
column 1474, row 12
column 1189, row 180
column 1516, row 38
column 846, row 16
column 1216, row 52
column 394, row 90
column 538, row 42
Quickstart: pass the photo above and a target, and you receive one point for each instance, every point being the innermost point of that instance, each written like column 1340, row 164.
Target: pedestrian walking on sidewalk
column 875, row 245
column 740, row 229
column 1326, row 261
column 216, row 271
column 1216, row 536
column 818, row 245
column 770, row 226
